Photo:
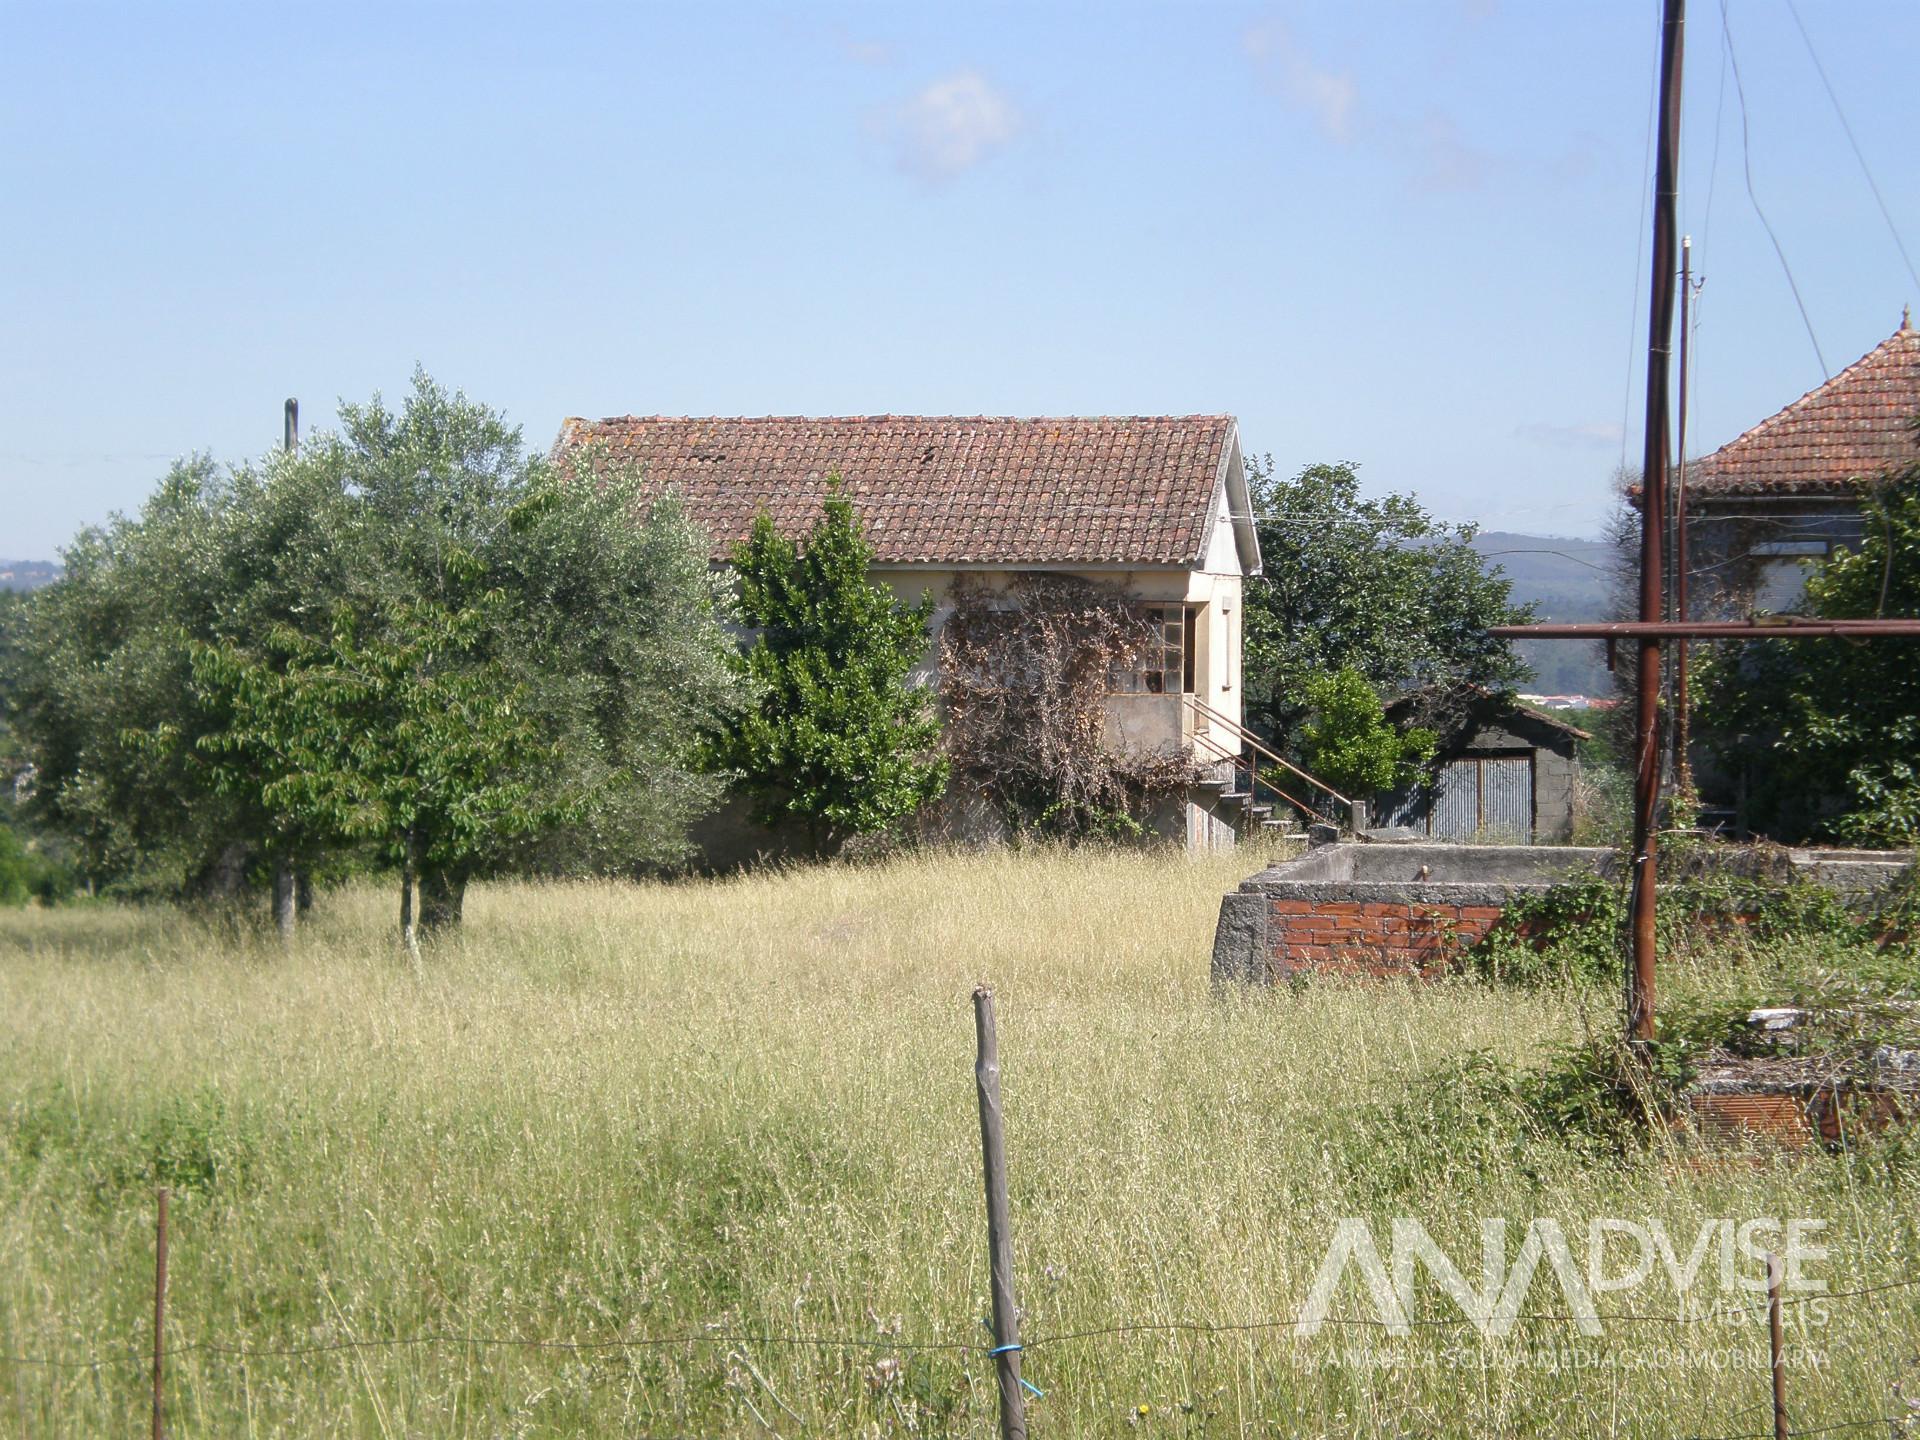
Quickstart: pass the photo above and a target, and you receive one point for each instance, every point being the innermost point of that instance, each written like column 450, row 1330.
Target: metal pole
column 1681, row 699
column 1646, row 787
column 290, row 433
column 160, row 1318
column 1782, row 628
column 1776, row 1345
column 993, row 1155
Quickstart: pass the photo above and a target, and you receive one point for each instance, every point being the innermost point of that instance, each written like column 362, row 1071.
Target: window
column 1166, row 667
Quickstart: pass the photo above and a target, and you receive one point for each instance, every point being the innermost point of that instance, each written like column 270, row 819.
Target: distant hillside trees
column 1375, row 587
column 840, row 739
column 411, row 641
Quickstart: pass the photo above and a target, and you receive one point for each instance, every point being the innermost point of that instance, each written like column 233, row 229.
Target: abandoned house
column 1155, row 506
column 1787, row 491
column 1504, row 775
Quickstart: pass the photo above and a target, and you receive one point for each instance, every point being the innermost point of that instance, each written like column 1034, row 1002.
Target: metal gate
column 1479, row 797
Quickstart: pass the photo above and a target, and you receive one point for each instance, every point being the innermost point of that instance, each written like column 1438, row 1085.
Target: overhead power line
column 1746, row 161
column 1858, row 154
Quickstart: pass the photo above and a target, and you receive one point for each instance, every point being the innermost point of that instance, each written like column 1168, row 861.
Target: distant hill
column 27, row 574
column 1565, row 579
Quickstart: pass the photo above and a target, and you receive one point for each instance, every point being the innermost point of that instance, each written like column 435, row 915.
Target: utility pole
column 1683, row 767
column 1653, row 510
column 1651, row 628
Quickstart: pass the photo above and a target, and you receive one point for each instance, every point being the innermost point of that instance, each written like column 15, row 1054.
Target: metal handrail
column 1254, row 778
column 1246, row 738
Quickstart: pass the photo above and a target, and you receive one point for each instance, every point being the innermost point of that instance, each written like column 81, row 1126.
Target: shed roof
column 1855, row 426
column 1133, row 490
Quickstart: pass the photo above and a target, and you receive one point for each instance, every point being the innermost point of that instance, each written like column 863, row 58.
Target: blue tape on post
column 1031, row 1388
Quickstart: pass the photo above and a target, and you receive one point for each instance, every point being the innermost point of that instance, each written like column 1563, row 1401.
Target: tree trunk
column 285, row 911
column 408, row 938
column 442, row 892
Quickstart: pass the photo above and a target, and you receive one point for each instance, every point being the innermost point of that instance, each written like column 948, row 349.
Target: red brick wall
column 1352, row 938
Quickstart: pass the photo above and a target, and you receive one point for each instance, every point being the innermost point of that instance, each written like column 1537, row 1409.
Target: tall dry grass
column 745, row 1108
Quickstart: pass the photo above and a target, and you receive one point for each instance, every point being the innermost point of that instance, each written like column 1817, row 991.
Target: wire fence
column 986, row 1349
column 717, row 1336
column 1005, row 1348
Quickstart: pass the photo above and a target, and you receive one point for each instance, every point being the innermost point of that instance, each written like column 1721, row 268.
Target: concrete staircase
column 1235, row 794
column 1236, row 754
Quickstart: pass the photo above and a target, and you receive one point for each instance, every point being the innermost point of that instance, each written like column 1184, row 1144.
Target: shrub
column 1576, row 931
column 29, row 873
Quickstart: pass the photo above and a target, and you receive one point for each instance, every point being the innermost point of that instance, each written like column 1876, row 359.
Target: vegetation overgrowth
column 744, row 1108
column 1826, row 736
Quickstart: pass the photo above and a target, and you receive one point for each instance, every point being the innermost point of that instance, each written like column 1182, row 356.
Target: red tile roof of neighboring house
column 1857, row 425
column 940, row 489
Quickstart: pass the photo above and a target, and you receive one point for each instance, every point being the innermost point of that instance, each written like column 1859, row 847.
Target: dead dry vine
column 1025, row 673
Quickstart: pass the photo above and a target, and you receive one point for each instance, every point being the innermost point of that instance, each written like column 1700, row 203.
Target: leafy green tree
column 387, row 732
column 612, row 625
column 619, row 643
column 596, row 611
column 1827, row 732
column 841, row 738
column 1373, row 585
column 1349, row 742
column 101, row 664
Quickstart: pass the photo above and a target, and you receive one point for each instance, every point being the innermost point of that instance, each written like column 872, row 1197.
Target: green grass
column 747, row 1107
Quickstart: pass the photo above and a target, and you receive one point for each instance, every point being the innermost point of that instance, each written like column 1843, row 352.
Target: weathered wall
column 1353, row 909
column 1149, row 720
column 1405, row 910
column 1555, row 767
column 1551, row 759
column 1752, row 551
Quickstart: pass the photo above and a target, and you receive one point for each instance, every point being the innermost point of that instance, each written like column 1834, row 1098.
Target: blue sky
column 1402, row 234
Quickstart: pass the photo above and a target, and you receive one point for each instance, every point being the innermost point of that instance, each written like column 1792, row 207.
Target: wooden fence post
column 993, row 1155
column 1776, row 1348
column 160, row 1316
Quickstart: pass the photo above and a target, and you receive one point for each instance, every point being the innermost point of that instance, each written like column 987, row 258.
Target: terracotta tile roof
column 939, row 489
column 1858, row 424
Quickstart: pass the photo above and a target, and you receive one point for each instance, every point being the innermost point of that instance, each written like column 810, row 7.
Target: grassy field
column 745, row 1109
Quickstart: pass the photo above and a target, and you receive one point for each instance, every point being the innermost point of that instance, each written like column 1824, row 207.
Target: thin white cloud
column 1329, row 96
column 949, row 127
column 864, row 52
column 1444, row 160
column 1595, row 436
